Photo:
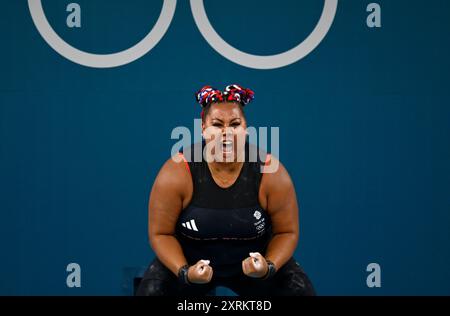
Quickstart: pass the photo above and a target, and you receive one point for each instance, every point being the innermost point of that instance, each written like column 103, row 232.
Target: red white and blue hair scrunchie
column 233, row 92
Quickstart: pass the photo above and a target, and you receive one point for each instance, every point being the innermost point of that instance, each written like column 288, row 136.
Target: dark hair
column 208, row 107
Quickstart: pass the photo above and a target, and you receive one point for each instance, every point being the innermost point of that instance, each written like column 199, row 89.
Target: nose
column 227, row 131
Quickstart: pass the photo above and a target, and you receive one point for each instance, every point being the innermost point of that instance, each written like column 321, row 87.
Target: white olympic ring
column 160, row 28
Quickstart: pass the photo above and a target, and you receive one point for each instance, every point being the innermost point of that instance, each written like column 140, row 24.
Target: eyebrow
column 233, row 119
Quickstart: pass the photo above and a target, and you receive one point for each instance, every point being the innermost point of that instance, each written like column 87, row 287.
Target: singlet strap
column 185, row 162
column 267, row 162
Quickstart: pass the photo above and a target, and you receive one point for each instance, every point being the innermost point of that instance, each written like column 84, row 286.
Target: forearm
column 169, row 251
column 281, row 248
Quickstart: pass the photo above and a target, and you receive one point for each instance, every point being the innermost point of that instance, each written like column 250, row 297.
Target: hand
column 200, row 273
column 255, row 266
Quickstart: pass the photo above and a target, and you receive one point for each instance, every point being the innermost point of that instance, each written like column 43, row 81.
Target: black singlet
column 224, row 224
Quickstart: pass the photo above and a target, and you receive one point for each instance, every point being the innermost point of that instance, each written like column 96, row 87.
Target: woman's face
column 224, row 130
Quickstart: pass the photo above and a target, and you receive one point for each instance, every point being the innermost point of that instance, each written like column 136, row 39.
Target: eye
column 217, row 124
column 235, row 124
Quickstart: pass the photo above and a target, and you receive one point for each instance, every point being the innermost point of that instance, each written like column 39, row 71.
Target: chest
column 210, row 224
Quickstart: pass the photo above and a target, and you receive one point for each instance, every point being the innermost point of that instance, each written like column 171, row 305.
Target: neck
column 226, row 166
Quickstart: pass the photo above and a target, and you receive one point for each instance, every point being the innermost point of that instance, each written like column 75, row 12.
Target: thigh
column 290, row 280
column 158, row 280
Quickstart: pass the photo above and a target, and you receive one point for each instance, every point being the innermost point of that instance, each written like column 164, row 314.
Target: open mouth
column 227, row 146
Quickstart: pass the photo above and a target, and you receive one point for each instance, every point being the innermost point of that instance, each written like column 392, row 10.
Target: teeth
column 227, row 146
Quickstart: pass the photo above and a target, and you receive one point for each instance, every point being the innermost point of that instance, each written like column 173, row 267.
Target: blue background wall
column 364, row 126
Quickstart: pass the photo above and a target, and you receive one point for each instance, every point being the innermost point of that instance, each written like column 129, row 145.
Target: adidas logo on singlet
column 190, row 225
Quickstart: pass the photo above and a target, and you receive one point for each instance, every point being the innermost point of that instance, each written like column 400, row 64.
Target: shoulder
column 277, row 189
column 273, row 173
column 275, row 177
column 174, row 175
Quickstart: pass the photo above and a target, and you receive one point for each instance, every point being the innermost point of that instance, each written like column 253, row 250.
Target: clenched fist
column 200, row 273
column 255, row 266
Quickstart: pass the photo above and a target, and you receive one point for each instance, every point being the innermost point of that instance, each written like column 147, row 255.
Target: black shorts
column 290, row 280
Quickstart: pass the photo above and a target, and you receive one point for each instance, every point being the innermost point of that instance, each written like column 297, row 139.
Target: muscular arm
column 170, row 193
column 283, row 210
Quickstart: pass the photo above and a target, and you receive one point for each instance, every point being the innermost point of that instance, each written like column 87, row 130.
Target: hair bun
column 235, row 92
column 207, row 95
